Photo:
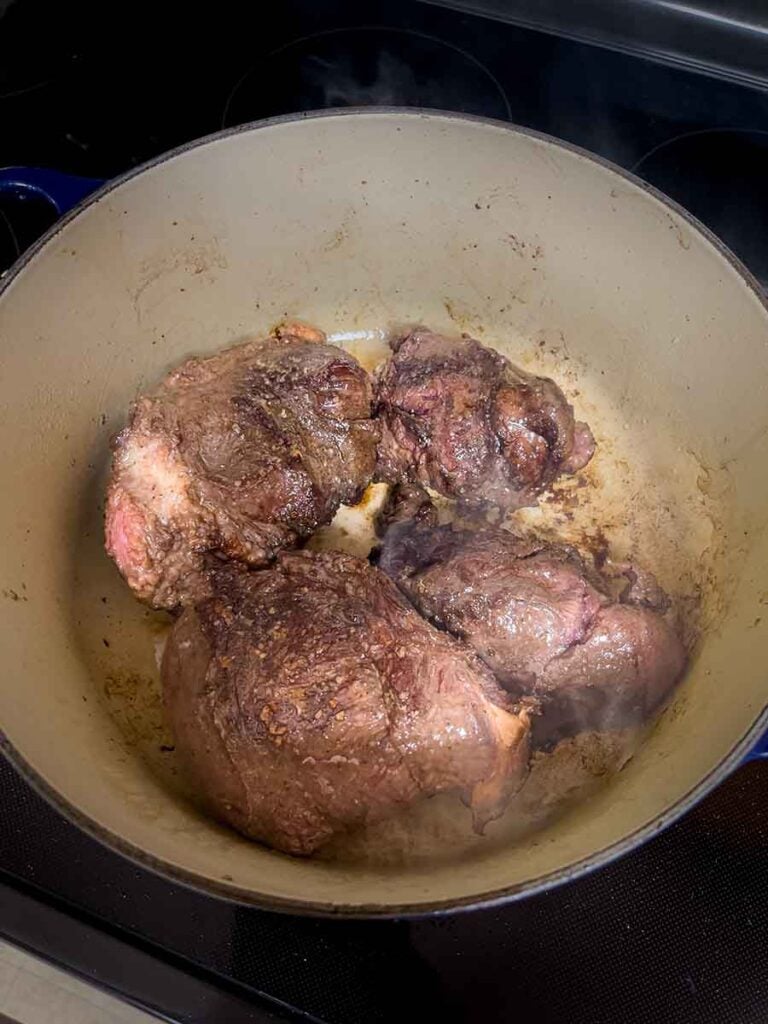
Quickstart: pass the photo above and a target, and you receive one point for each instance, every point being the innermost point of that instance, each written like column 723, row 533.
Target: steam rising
column 582, row 736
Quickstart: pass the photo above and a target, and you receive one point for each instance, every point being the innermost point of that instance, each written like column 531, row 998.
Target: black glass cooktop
column 92, row 99
column 675, row 932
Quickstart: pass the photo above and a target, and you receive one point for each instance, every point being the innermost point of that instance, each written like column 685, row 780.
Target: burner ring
column 365, row 66
column 719, row 175
column 636, row 167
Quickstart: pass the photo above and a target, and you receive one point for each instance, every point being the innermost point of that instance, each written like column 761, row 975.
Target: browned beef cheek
column 460, row 418
column 309, row 698
column 236, row 456
column 544, row 622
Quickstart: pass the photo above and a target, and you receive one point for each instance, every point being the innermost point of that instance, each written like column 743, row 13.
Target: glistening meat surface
column 309, row 698
column 544, row 621
column 460, row 418
column 236, row 456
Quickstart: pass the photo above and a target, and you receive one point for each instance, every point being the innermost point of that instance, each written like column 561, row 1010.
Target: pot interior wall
column 358, row 223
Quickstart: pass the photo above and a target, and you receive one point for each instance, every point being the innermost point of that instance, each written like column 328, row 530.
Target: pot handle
column 62, row 191
column 760, row 750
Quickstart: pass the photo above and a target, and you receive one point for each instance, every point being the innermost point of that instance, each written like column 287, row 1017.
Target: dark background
column 95, row 91
column 675, row 932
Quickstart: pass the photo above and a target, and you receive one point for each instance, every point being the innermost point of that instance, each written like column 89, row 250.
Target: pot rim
column 495, row 898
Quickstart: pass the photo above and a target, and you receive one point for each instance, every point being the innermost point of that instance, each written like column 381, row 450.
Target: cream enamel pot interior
column 358, row 221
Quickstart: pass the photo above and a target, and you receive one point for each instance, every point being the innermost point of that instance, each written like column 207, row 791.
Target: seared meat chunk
column 544, row 622
column 237, row 455
column 460, row 418
column 309, row 698
column 406, row 503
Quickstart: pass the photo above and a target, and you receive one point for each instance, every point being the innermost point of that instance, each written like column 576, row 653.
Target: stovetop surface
column 674, row 932
column 81, row 97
